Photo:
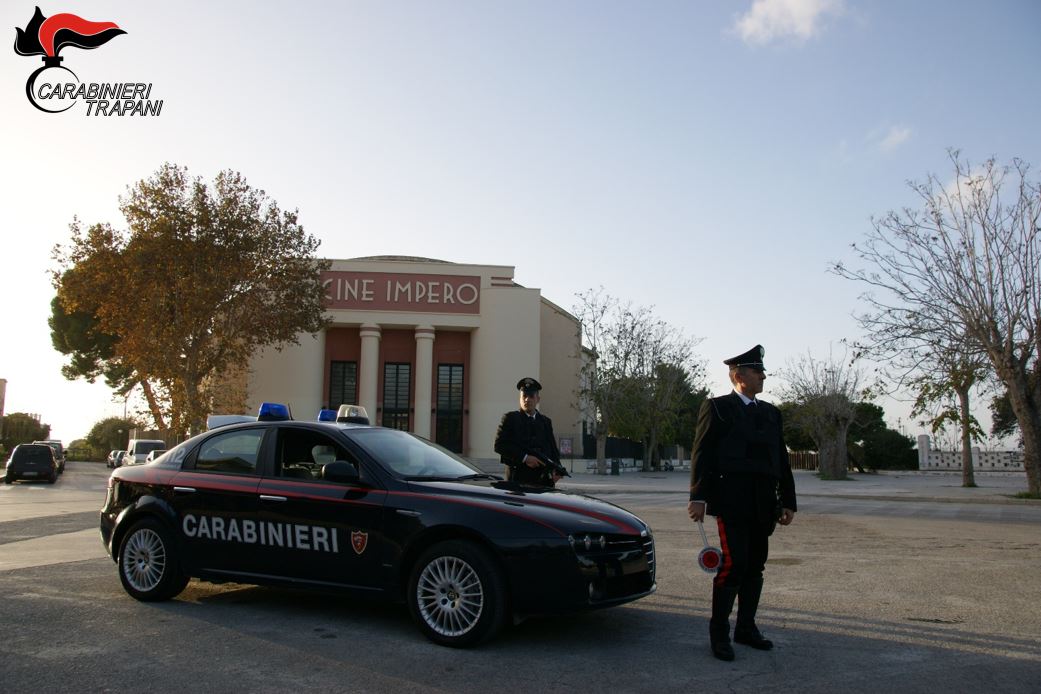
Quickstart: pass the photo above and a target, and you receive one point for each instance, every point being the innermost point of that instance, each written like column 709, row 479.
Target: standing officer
column 740, row 474
column 525, row 441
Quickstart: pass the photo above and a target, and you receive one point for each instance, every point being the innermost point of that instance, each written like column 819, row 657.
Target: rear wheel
column 457, row 594
column 148, row 564
column 53, row 478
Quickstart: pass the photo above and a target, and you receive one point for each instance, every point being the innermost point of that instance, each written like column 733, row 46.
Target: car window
column 408, row 455
column 35, row 454
column 234, row 451
column 301, row 453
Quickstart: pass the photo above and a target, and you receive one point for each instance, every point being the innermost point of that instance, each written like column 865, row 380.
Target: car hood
column 568, row 511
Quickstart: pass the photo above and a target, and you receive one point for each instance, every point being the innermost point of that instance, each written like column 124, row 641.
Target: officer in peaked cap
column 525, row 441
column 741, row 475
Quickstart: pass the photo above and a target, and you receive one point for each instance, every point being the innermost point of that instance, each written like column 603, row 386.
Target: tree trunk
column 153, row 405
column 650, row 456
column 1025, row 404
column 967, row 478
column 601, row 451
column 832, row 456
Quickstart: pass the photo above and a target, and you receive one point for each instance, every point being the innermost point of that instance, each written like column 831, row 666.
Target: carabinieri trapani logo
column 53, row 88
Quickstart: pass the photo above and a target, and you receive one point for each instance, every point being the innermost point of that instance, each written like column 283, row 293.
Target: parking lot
column 865, row 591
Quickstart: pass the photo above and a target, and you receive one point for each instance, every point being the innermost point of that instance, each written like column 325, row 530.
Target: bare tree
column 967, row 264
column 825, row 393
column 625, row 384
column 942, row 393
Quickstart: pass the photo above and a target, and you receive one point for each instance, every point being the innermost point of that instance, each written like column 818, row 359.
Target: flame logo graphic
column 46, row 36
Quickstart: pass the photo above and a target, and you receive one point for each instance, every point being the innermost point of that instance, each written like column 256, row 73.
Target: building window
column 396, row 382
column 449, row 425
column 343, row 383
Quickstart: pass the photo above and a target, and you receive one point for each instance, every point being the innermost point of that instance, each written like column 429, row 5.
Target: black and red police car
column 373, row 511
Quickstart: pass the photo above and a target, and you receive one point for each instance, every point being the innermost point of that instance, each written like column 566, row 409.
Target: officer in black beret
column 525, row 441
column 741, row 475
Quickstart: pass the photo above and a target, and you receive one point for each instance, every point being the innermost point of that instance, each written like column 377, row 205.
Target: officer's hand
column 787, row 516
column 696, row 511
column 532, row 462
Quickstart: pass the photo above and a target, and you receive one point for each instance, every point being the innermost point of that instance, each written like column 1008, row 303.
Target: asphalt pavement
column 991, row 487
column 903, row 581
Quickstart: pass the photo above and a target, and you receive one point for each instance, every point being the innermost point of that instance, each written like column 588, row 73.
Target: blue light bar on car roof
column 273, row 412
column 326, row 415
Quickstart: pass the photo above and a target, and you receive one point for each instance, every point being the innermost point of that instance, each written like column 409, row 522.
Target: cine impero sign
column 389, row 291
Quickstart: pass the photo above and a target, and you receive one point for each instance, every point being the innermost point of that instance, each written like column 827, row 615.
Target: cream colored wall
column 560, row 350
column 503, row 350
column 293, row 376
column 516, row 334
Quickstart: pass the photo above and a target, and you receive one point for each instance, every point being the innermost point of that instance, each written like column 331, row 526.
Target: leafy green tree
column 796, row 437
column 205, row 275
column 19, row 428
column 873, row 445
column 112, row 433
column 886, row 449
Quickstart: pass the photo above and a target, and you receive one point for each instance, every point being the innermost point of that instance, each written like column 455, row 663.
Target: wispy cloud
column 894, row 137
column 772, row 20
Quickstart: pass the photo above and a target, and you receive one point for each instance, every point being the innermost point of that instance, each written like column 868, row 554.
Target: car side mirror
column 340, row 471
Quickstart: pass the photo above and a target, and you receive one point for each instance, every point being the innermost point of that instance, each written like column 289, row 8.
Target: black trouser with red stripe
column 745, row 544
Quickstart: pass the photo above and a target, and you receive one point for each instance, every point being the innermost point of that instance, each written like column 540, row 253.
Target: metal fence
column 803, row 460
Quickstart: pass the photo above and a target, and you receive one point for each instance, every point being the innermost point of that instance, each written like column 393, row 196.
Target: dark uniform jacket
column 739, row 465
column 520, row 435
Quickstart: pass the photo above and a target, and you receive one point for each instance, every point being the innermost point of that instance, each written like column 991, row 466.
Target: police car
column 336, row 505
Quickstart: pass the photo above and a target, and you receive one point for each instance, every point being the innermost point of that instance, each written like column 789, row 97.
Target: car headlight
column 587, row 542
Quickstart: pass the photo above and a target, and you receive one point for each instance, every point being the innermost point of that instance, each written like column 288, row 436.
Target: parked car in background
column 59, row 452
column 138, row 449
column 153, row 454
column 115, row 458
column 31, row 461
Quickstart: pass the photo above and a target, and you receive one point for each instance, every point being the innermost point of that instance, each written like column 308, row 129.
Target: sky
column 707, row 159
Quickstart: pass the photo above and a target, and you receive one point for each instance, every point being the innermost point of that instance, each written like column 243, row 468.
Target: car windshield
column 412, row 457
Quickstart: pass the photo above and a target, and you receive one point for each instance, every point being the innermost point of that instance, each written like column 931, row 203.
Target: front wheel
column 457, row 595
column 148, row 566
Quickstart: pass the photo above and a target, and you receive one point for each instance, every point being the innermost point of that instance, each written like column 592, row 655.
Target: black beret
column 752, row 358
column 529, row 384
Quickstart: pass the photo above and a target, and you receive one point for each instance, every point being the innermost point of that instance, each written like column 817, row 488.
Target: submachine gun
column 551, row 465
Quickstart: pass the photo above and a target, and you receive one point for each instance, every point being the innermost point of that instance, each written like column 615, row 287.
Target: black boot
column 719, row 625
column 746, row 632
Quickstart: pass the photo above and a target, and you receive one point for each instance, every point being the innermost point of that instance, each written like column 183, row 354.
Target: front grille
column 623, row 568
column 648, row 550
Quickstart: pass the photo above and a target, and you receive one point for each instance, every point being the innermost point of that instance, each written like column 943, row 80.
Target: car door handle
column 268, row 497
column 408, row 512
column 184, row 490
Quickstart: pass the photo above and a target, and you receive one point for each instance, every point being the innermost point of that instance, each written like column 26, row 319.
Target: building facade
column 430, row 347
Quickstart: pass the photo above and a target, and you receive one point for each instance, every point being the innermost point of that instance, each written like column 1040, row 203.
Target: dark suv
column 31, row 461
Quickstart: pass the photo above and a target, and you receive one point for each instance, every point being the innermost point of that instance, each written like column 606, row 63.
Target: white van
column 138, row 450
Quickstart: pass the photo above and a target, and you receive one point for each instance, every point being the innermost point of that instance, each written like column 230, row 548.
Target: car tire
column 457, row 594
column 8, row 479
column 148, row 563
column 53, row 478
